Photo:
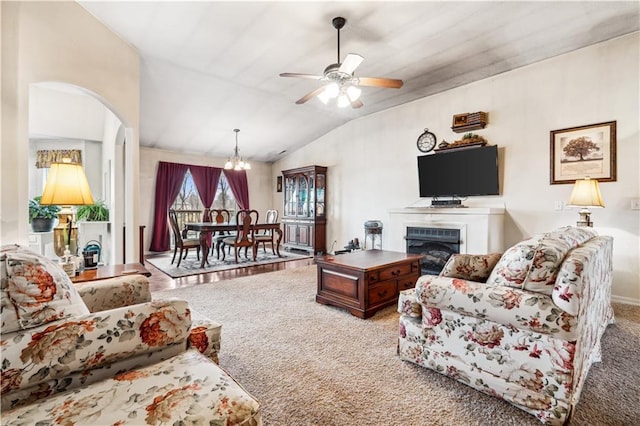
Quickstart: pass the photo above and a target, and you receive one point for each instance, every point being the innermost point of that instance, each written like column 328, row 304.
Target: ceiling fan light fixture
column 324, row 97
column 332, row 90
column 343, row 101
column 354, row 93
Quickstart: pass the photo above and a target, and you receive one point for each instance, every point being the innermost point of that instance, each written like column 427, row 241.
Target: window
column 188, row 203
column 224, row 197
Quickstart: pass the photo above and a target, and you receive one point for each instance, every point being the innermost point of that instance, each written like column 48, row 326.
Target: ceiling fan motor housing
column 333, row 73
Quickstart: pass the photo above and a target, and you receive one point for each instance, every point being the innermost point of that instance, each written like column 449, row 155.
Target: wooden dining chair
column 245, row 221
column 220, row 216
column 184, row 244
column 266, row 236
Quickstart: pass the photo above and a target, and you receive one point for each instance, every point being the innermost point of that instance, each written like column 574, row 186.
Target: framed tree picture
column 585, row 151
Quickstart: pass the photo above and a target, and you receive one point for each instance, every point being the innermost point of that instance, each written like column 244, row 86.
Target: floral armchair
column 524, row 326
column 131, row 363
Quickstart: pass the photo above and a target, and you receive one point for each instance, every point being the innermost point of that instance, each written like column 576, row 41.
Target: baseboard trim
column 625, row 300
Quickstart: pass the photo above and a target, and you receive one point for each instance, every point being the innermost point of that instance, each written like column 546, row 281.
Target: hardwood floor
column 159, row 281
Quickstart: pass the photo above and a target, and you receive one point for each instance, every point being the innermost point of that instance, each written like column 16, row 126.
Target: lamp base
column 585, row 218
column 65, row 233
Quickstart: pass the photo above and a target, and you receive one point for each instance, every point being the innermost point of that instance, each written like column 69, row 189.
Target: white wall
column 372, row 160
column 261, row 186
column 60, row 42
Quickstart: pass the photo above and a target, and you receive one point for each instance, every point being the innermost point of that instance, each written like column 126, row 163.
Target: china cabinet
column 304, row 215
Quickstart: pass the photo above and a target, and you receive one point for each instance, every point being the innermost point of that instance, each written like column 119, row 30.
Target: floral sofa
column 67, row 361
column 524, row 326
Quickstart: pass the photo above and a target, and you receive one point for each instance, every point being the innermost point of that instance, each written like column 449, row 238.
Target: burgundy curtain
column 168, row 183
column 206, row 180
column 238, row 183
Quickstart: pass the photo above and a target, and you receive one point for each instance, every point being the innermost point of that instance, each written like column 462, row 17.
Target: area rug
column 191, row 265
column 311, row 364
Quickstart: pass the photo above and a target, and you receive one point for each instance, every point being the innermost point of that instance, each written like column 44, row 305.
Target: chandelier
column 236, row 162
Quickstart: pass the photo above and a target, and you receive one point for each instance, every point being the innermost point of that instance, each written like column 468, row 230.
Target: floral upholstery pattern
column 164, row 393
column 533, row 264
column 34, row 290
column 205, row 336
column 112, row 293
column 530, row 348
column 127, row 361
column 505, row 305
column 50, row 352
column 473, row 267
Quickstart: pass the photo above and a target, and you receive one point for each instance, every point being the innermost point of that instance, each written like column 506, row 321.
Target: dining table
column 209, row 228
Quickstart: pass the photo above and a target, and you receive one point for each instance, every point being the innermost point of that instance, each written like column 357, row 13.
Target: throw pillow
column 7, row 311
column 38, row 289
column 533, row 264
column 471, row 267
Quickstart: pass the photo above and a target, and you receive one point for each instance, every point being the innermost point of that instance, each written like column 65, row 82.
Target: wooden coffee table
column 110, row 271
column 364, row 282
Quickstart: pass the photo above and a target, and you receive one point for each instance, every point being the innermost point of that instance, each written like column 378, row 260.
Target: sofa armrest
column 504, row 305
column 585, row 277
column 54, row 350
column 111, row 293
column 205, row 337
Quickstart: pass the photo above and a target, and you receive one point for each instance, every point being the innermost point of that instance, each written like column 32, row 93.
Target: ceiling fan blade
column 310, row 95
column 308, row 76
column 388, row 83
column 351, row 62
column 356, row 104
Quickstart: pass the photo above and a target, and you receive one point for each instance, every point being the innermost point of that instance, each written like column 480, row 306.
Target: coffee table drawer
column 408, row 282
column 382, row 292
column 396, row 271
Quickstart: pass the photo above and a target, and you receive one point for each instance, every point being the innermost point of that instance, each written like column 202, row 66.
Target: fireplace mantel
column 481, row 227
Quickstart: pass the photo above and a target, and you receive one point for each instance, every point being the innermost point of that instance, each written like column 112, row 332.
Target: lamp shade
column 66, row 185
column 586, row 193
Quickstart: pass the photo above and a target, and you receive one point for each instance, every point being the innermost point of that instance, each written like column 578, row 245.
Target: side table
column 110, row 271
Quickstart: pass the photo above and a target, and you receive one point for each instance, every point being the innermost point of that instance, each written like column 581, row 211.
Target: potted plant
column 41, row 217
column 97, row 212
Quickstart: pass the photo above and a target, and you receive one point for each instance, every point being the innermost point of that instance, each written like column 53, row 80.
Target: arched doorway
column 66, row 117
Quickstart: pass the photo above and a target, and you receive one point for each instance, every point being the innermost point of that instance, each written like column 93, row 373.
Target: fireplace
column 436, row 245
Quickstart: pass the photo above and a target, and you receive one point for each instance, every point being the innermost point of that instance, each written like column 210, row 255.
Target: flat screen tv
column 472, row 171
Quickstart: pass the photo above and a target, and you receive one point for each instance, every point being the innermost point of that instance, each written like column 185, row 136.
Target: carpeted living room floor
column 311, row 364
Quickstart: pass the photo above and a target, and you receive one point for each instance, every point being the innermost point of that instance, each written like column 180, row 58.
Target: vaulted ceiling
column 211, row 66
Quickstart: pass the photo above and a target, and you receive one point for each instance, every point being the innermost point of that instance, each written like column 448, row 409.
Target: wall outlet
column 559, row 205
column 635, row 204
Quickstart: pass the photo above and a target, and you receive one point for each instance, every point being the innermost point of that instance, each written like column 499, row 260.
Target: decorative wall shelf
column 469, row 121
column 456, row 147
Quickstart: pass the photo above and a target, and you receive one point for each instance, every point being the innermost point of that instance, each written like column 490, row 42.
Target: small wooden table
column 366, row 281
column 110, row 271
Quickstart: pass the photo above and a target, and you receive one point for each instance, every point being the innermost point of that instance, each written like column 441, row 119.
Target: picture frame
column 460, row 119
column 583, row 151
column 279, row 184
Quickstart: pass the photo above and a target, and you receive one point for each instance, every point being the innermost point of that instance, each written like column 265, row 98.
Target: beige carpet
column 191, row 265
column 311, row 364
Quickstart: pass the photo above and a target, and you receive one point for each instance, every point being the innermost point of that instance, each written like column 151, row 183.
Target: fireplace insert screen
column 436, row 245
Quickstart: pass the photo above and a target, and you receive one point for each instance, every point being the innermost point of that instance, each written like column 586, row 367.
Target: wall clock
column 426, row 141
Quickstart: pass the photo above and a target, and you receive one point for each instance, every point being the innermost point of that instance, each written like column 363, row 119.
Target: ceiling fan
column 341, row 83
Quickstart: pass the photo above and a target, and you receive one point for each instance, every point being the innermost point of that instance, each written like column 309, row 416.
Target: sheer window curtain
column 168, row 183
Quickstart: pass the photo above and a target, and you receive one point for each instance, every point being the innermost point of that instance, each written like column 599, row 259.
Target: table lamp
column 585, row 194
column 66, row 186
